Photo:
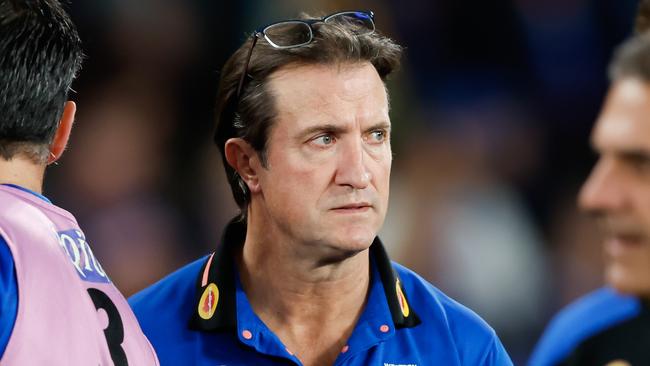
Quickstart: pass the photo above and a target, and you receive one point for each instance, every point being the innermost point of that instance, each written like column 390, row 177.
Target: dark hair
column 40, row 55
column 642, row 21
column 251, row 115
column 632, row 59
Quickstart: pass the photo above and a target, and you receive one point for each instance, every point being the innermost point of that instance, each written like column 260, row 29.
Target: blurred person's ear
column 62, row 134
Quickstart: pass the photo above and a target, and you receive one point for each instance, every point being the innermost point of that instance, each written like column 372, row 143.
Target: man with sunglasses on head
column 300, row 277
column 57, row 304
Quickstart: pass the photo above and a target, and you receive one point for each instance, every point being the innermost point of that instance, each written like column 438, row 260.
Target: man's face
column 618, row 190
column 328, row 156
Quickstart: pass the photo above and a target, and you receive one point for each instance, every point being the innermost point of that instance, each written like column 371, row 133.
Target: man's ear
column 245, row 161
column 62, row 134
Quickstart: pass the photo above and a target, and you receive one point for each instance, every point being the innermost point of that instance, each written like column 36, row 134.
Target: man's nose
column 352, row 170
column 604, row 190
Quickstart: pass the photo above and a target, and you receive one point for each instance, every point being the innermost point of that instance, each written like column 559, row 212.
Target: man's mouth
column 621, row 244
column 353, row 207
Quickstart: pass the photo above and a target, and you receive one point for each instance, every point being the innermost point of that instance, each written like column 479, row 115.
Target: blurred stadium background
column 491, row 112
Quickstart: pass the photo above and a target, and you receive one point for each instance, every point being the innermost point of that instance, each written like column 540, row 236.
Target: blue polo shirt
column 599, row 328
column 200, row 315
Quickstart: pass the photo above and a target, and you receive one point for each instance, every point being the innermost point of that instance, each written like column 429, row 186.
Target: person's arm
column 8, row 295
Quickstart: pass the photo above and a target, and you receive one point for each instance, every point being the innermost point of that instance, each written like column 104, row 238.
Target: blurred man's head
column 40, row 54
column 617, row 192
column 251, row 114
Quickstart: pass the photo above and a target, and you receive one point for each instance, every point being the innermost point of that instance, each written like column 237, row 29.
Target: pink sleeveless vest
column 69, row 312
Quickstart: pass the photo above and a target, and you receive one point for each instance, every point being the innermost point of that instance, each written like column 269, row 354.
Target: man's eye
column 378, row 136
column 638, row 161
column 642, row 165
column 324, row 140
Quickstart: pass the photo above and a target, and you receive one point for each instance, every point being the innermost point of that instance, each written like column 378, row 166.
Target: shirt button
column 345, row 348
column 384, row 328
column 247, row 334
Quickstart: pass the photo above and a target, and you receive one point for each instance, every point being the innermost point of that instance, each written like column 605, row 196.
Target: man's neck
column 22, row 172
column 312, row 304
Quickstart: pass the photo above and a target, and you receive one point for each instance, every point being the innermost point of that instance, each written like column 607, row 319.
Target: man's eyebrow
column 336, row 129
column 634, row 154
column 327, row 127
column 379, row 126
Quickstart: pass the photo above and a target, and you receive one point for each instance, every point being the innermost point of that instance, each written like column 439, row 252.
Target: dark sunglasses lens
column 358, row 21
column 288, row 34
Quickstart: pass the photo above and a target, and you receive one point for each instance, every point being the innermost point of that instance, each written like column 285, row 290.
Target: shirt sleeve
column 8, row 295
column 496, row 355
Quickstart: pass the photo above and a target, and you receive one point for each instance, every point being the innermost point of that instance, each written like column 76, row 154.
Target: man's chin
column 627, row 283
column 353, row 241
column 356, row 243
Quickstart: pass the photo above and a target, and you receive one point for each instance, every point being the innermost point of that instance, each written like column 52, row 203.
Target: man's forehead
column 344, row 76
column 297, row 67
column 330, row 91
column 625, row 118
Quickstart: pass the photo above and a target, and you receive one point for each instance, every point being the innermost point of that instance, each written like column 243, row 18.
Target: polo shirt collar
column 216, row 301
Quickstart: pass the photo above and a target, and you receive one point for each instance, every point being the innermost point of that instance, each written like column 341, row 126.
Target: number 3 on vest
column 114, row 333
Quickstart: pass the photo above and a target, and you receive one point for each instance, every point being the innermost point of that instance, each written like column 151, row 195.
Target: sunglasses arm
column 248, row 60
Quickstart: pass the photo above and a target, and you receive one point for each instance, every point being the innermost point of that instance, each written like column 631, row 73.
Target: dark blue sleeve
column 8, row 295
column 579, row 321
